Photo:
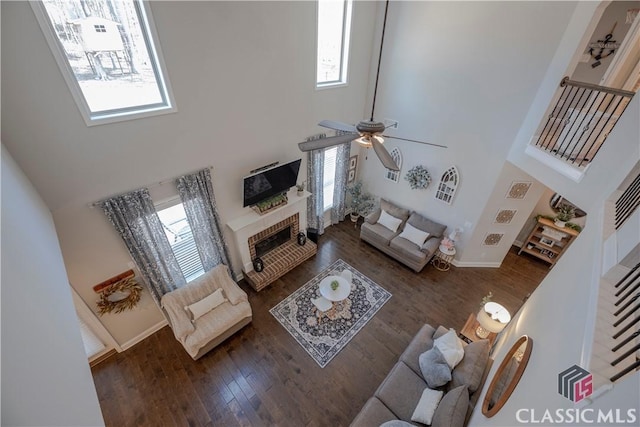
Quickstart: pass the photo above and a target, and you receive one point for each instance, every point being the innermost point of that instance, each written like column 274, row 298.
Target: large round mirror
column 507, row 376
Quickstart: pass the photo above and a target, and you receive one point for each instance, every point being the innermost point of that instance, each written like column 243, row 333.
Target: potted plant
column 564, row 214
column 300, row 188
column 361, row 201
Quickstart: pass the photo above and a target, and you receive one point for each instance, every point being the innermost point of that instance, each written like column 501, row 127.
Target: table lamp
column 448, row 242
column 492, row 317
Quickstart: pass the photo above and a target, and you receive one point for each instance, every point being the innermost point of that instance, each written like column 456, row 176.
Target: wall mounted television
column 270, row 182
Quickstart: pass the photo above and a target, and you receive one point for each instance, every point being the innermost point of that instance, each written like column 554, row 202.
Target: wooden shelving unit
column 546, row 243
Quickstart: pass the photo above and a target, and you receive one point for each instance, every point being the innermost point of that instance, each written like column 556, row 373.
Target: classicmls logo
column 575, row 383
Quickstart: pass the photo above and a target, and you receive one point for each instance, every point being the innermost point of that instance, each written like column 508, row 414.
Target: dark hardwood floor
column 262, row 377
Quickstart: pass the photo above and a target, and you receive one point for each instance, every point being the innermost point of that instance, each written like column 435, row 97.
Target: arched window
column 448, row 185
column 397, row 157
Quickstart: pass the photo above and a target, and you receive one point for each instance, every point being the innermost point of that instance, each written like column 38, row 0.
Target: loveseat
column 386, row 229
column 206, row 311
column 402, row 392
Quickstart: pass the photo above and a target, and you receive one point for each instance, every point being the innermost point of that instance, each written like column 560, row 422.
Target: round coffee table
column 342, row 291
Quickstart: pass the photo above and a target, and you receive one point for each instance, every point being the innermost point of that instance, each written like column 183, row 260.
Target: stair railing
column 581, row 120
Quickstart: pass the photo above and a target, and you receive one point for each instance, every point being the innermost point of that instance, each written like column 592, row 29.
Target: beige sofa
column 201, row 335
column 401, row 249
column 398, row 395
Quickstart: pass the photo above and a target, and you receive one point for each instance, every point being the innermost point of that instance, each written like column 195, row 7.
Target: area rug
column 325, row 339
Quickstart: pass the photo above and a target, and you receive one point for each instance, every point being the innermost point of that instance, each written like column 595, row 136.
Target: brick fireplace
column 267, row 235
column 282, row 251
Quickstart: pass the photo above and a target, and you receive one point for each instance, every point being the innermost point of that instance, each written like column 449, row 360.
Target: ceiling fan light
column 364, row 140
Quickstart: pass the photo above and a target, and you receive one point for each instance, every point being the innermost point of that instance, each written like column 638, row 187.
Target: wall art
column 397, row 157
column 504, row 216
column 418, row 178
column 448, row 185
column 518, row 189
column 492, row 239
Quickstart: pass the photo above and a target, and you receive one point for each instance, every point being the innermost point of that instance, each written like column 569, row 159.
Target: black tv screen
column 270, row 182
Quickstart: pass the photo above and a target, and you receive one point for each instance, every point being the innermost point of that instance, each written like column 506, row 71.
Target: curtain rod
column 152, row 185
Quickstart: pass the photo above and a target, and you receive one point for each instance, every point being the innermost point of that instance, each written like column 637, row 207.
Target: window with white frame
column 107, row 54
column 176, row 227
column 334, row 30
column 329, row 175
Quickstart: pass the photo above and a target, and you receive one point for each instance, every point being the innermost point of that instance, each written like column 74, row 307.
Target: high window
column 334, row 29
column 106, row 52
column 176, row 227
column 329, row 175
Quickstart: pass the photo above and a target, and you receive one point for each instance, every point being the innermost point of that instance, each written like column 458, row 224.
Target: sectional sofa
column 396, row 401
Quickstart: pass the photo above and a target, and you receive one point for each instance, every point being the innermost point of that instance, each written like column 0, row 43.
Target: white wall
column 557, row 315
column 45, row 374
column 474, row 251
column 243, row 78
column 463, row 75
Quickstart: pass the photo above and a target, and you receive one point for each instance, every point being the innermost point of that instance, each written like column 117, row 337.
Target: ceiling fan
column 370, row 131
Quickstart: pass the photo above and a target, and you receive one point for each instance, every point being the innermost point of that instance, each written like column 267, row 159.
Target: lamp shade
column 493, row 317
column 455, row 234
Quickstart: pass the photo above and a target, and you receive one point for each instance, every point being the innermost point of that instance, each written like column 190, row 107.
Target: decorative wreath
column 121, row 296
column 418, row 178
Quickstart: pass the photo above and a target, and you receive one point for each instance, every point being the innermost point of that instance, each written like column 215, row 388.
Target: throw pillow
column 422, row 223
column 414, row 235
column 396, row 423
column 451, row 347
column 469, row 371
column 434, row 367
column 394, row 210
column 427, row 406
column 452, row 409
column 205, row 305
column 389, row 221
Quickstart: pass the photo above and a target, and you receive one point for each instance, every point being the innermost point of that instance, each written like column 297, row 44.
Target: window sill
column 324, row 86
column 99, row 119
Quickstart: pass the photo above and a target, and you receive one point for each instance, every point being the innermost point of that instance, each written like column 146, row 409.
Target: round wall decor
column 121, row 296
column 418, row 178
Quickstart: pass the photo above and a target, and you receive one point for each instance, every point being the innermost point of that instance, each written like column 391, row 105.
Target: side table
column 468, row 332
column 442, row 258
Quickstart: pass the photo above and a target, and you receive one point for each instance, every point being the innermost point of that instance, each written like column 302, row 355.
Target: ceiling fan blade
column 413, row 140
column 332, row 124
column 318, row 144
column 383, row 155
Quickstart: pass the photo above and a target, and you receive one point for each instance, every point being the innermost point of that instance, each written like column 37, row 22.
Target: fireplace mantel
column 252, row 223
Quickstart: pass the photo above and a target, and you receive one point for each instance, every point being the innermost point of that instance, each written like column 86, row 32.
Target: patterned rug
column 325, row 339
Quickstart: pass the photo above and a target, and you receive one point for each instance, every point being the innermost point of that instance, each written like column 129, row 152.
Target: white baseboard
column 488, row 264
column 152, row 330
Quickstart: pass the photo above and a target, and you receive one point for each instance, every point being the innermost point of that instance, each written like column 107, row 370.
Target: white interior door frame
column 623, row 71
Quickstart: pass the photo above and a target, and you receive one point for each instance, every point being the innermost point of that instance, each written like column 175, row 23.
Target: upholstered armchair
column 206, row 311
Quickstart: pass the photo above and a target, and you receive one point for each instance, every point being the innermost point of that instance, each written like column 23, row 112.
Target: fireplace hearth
column 281, row 255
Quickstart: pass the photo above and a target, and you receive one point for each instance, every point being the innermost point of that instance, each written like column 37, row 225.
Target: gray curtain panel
column 315, row 179
column 134, row 217
column 339, row 209
column 196, row 192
